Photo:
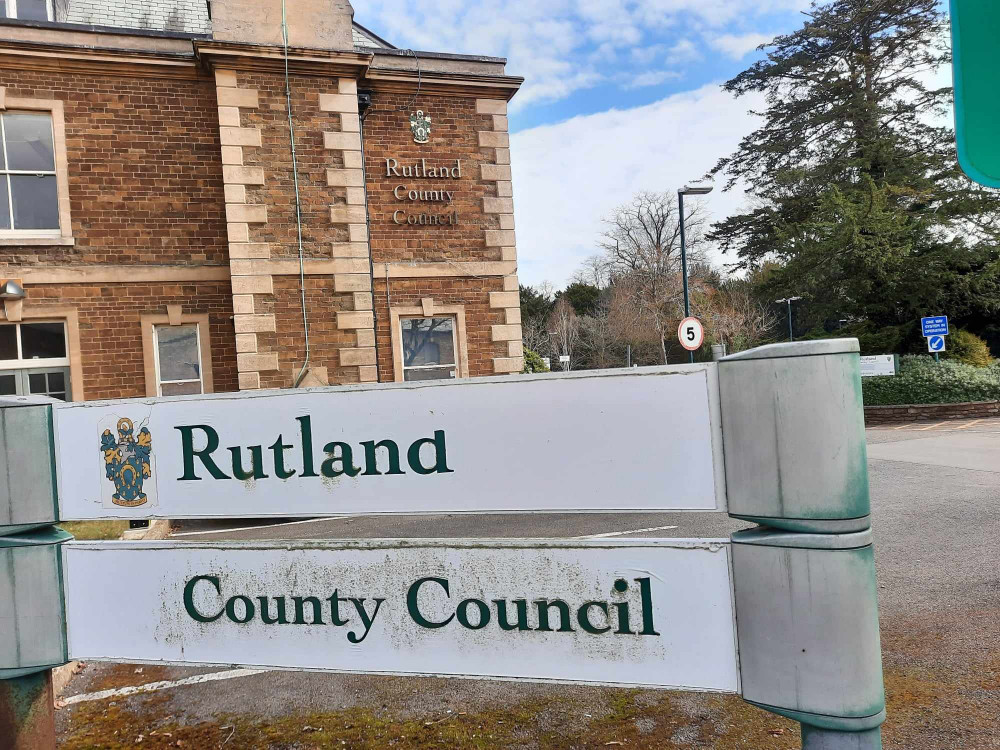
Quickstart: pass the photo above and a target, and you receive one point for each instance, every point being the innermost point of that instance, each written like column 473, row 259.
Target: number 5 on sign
column 691, row 334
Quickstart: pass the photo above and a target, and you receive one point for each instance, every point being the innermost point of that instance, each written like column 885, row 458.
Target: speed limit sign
column 691, row 334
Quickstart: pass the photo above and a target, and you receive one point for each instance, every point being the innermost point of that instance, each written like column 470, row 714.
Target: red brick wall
column 479, row 318
column 324, row 338
column 275, row 156
column 880, row 415
column 145, row 168
column 454, row 135
column 111, row 334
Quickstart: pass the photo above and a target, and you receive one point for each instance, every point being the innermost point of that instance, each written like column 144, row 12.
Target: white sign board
column 655, row 613
column 614, row 441
column 880, row 365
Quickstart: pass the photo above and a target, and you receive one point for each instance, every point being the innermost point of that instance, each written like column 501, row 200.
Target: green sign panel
column 975, row 28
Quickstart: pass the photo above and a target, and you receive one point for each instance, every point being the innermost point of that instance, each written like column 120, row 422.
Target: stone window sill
column 37, row 241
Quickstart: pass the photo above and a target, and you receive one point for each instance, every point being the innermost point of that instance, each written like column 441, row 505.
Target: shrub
column 533, row 363
column 968, row 348
column 921, row 380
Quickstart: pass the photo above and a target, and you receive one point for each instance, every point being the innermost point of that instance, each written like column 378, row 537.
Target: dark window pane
column 57, row 381
column 29, row 142
column 8, row 385
column 181, row 389
column 36, row 202
column 178, row 350
column 428, row 341
column 36, row 383
column 437, row 373
column 60, row 396
column 43, row 341
column 32, row 10
column 4, row 203
column 8, row 342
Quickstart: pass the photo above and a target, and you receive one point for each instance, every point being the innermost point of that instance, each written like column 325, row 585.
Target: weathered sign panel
column 655, row 613
column 617, row 441
column 881, row 365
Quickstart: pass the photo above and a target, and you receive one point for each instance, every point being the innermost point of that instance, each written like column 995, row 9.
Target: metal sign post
column 936, row 331
column 786, row 615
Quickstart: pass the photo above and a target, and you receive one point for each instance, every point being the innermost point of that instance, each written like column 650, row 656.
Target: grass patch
column 92, row 531
column 623, row 718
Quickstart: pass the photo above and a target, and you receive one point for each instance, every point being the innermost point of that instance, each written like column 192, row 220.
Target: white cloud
column 569, row 176
column 562, row 46
column 684, row 51
column 738, row 46
column 650, row 78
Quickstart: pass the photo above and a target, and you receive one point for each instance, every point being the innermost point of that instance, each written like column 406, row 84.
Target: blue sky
column 619, row 96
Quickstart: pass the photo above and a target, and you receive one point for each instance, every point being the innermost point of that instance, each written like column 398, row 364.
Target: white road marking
column 932, row 427
column 254, row 528
column 155, row 686
column 626, row 533
column 970, row 424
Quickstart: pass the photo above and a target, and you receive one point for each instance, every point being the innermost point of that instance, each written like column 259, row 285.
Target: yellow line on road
column 932, row 427
column 970, row 424
column 903, row 427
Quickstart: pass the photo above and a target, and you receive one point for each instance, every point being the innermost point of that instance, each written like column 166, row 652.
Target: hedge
column 921, row 380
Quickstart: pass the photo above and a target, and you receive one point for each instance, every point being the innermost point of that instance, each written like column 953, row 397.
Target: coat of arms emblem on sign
column 421, row 126
column 127, row 463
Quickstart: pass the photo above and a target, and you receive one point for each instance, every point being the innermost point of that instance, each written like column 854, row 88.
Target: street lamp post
column 688, row 190
column 789, row 300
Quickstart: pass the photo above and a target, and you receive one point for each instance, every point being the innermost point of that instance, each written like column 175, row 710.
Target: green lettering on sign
column 975, row 27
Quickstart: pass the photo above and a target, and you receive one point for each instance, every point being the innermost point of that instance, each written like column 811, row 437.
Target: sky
column 619, row 96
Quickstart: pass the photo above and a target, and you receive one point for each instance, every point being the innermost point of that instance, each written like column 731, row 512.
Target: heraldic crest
column 127, row 463
column 421, row 126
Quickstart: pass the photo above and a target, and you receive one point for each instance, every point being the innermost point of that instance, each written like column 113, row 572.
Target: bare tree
column 594, row 271
column 643, row 252
column 737, row 319
column 564, row 326
column 534, row 332
column 599, row 339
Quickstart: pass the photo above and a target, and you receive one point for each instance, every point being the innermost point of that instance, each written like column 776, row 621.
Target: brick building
column 159, row 235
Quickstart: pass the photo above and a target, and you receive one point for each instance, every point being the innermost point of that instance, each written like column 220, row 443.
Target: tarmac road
column 936, row 516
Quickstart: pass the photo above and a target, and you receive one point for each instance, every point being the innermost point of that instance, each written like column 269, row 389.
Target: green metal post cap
column 764, row 537
column 36, row 538
column 830, row 723
column 819, row 348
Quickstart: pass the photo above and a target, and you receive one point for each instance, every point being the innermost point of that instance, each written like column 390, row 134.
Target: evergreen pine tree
column 853, row 178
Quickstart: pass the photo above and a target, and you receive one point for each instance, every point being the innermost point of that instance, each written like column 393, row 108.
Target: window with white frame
column 430, row 348
column 29, row 189
column 27, row 10
column 177, row 350
column 34, row 360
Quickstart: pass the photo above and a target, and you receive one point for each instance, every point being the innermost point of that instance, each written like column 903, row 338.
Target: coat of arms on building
column 128, row 463
column 421, row 126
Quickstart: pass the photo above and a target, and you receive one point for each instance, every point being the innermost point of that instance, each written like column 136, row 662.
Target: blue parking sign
column 936, row 326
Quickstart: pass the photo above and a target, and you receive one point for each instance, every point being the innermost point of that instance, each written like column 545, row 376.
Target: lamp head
column 696, row 189
column 12, row 290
